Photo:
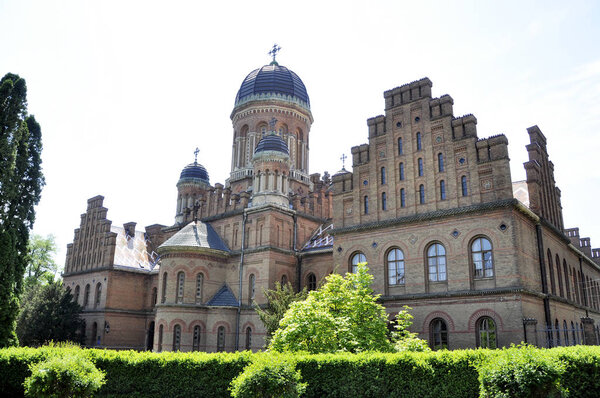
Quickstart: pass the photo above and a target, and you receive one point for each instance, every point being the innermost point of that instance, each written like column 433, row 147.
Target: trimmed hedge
column 461, row 373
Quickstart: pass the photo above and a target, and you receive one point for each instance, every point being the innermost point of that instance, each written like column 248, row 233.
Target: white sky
column 126, row 90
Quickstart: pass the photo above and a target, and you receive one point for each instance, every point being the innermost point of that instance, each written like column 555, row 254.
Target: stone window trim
column 180, row 287
column 251, row 288
column 98, row 295
column 199, row 287
column 163, row 293
column 86, row 296
column 196, row 337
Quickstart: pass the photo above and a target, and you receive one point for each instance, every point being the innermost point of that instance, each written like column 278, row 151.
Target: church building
column 431, row 207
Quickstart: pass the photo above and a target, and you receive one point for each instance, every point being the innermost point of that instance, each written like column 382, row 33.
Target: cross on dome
column 343, row 159
column 273, row 53
column 196, row 152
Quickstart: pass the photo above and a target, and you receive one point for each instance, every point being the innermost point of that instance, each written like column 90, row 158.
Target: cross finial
column 273, row 53
column 196, row 152
column 343, row 159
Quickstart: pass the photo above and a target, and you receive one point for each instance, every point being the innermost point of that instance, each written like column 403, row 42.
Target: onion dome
column 273, row 81
column 272, row 143
column 194, row 172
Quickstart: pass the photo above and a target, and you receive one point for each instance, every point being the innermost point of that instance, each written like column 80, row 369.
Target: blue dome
column 196, row 171
column 272, row 142
column 273, row 79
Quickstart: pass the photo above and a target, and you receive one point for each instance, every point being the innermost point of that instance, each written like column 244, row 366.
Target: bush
column 64, row 376
column 582, row 370
column 521, row 372
column 269, row 376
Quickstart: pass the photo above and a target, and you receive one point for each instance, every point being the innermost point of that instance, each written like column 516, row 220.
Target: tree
column 41, row 266
column 48, row 314
column 278, row 302
column 342, row 315
column 21, row 182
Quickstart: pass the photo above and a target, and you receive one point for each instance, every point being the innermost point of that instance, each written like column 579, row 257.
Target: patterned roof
column 195, row 171
column 272, row 142
column 321, row 239
column 272, row 79
column 196, row 235
column 223, row 298
column 132, row 251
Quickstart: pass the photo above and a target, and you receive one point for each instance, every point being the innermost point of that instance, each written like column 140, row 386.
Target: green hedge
column 462, row 373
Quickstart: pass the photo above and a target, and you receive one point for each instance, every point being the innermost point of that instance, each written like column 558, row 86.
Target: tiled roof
column 320, row 239
column 196, row 235
column 132, row 251
column 223, row 298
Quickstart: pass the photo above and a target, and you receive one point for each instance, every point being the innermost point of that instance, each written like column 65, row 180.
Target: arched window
column 98, row 294
column 557, row 332
column 486, row 333
column 422, row 194
column 154, row 296
column 419, row 143
column 400, row 150
column 311, row 282
column 160, row 338
column 221, row 339
column 559, row 277
column 573, row 333
column 357, row 258
column 442, row 190
column 463, row 184
column 401, row 167
column 163, row 293
column 86, row 296
column 566, row 333
column 199, row 287
column 76, row 295
column 395, row 266
column 196, row 338
column 284, row 280
column 481, row 252
column 402, row 197
column 438, row 334
column 567, row 283
column 95, row 339
column 251, row 288
column 383, row 201
column 248, row 338
column 436, row 262
column 366, row 204
column 420, row 166
column 551, row 269
column 383, row 175
column 180, row 284
column 440, row 162
column 582, row 334
column 176, row 338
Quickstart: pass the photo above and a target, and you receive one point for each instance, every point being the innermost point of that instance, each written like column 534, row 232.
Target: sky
column 126, row 90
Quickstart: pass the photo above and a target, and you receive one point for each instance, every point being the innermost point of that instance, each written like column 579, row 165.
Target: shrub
column 269, row 376
column 64, row 376
column 582, row 370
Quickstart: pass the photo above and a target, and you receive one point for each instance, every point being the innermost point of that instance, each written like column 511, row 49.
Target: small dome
column 272, row 143
column 273, row 79
column 195, row 171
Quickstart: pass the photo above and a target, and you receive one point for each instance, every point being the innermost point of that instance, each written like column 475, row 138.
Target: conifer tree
column 21, row 182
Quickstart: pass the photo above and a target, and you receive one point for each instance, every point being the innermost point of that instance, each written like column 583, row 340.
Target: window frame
column 481, row 322
column 398, row 267
column 311, row 281
column 440, row 334
column 354, row 265
column 177, row 337
column 199, row 287
column 436, row 263
column 484, row 268
column 180, row 287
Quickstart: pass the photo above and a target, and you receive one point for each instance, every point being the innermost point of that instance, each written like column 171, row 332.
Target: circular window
column 399, row 124
column 365, row 182
column 417, row 119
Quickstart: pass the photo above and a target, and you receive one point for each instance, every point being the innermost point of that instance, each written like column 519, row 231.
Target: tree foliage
column 278, row 302
column 41, row 266
column 48, row 313
column 342, row 315
column 21, row 182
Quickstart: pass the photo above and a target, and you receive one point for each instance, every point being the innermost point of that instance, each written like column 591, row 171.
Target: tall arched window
column 86, row 296
column 573, row 333
column 383, row 201
column 180, row 285
column 422, row 194
column 419, row 143
column 357, row 258
column 567, row 283
column 440, row 162
column 76, row 295
column 366, row 204
column 160, row 338
column 284, row 280
column 566, row 333
column 251, row 288
column 221, row 339
column 551, row 269
column 163, row 293
column 400, row 149
column 196, row 338
column 383, row 175
column 395, row 266
column 98, row 294
column 436, row 262
column 199, row 287
column 438, row 334
column 176, row 338
column 311, row 282
column 401, row 168
column 463, row 184
column 154, row 296
column 402, row 197
column 248, row 338
column 481, row 252
column 442, row 190
column 559, row 277
column 420, row 166
column 486, row 333
column 557, row 332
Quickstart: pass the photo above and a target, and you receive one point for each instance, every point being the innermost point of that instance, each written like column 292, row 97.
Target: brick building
column 428, row 204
